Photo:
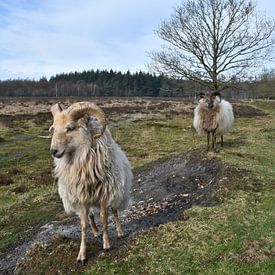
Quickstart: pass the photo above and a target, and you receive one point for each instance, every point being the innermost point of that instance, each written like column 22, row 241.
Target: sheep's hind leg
column 94, row 228
column 82, row 251
column 221, row 140
column 104, row 220
column 118, row 224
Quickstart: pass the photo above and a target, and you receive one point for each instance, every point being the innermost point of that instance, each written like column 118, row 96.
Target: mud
column 245, row 110
column 160, row 194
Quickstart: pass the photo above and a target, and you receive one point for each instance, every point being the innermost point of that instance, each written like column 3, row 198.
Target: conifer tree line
column 97, row 83
column 139, row 84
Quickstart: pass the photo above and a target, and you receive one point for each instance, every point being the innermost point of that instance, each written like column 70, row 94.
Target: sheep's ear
column 218, row 94
column 200, row 95
column 94, row 126
column 56, row 108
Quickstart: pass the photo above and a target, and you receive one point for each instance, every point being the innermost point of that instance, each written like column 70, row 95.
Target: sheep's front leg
column 213, row 140
column 118, row 224
column 82, row 251
column 104, row 221
column 208, row 140
column 94, row 228
column 221, row 140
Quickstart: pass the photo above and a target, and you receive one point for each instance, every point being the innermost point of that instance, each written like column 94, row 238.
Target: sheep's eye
column 51, row 129
column 70, row 128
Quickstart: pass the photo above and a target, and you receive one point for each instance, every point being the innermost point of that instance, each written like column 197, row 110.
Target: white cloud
column 44, row 37
column 48, row 37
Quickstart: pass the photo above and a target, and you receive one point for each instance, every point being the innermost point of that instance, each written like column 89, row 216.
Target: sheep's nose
column 53, row 152
column 210, row 105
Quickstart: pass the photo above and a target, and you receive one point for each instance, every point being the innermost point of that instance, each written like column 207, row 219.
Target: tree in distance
column 214, row 42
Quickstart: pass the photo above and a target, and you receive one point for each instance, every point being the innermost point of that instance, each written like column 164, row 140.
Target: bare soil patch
column 245, row 110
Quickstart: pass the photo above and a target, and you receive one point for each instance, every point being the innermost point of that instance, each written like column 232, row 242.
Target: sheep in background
column 93, row 172
column 213, row 116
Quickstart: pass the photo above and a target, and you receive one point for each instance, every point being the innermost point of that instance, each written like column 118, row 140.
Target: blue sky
column 45, row 37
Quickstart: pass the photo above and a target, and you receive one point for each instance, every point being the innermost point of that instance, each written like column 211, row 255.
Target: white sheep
column 93, row 172
column 213, row 116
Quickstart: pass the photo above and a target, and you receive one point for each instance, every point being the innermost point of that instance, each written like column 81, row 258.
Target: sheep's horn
column 78, row 110
column 56, row 108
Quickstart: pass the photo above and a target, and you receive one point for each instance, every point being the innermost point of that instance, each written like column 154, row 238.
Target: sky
column 41, row 38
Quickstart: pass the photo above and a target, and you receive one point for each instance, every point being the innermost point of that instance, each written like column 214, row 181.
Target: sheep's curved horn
column 217, row 94
column 78, row 110
column 56, row 108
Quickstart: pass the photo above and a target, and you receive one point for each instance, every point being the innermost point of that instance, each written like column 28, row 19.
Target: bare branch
column 214, row 41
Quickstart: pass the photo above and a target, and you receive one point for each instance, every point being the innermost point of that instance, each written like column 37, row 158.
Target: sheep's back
column 122, row 173
column 226, row 117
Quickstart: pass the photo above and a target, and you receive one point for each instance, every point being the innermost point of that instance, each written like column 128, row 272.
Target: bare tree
column 214, row 42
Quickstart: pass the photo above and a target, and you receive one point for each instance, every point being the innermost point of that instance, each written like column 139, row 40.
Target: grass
column 235, row 237
column 30, row 199
column 221, row 240
column 147, row 141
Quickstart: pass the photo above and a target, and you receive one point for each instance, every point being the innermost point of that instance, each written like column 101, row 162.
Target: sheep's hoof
column 82, row 262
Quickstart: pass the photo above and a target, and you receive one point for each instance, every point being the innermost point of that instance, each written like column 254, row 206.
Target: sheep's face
column 67, row 135
column 76, row 128
column 210, row 101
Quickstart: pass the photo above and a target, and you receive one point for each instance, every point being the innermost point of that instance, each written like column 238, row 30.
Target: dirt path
column 160, row 193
